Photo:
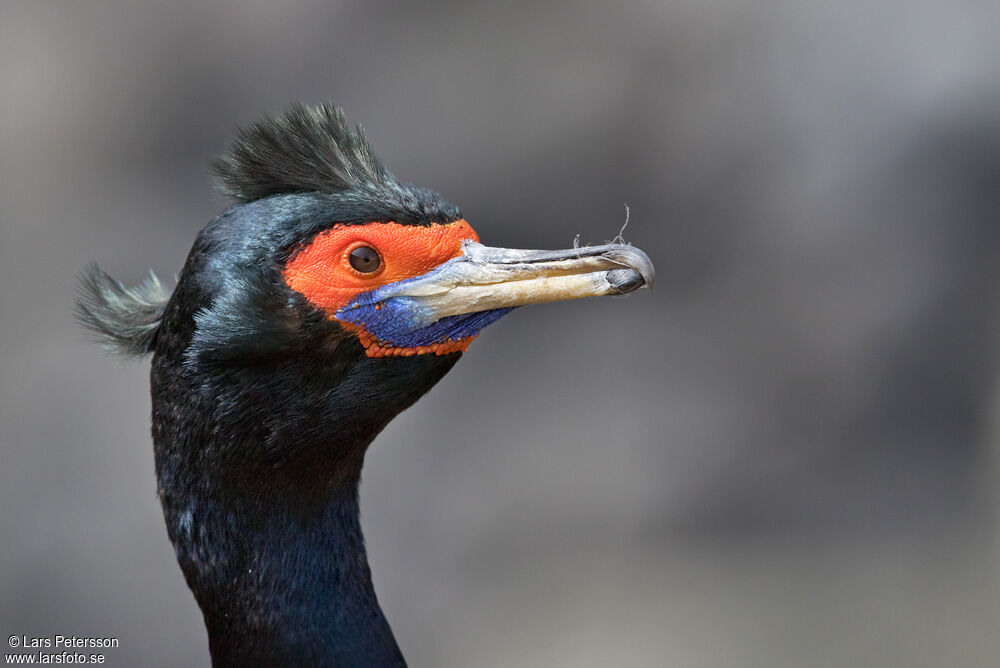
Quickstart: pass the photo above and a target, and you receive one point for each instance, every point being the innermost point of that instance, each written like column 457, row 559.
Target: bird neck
column 258, row 461
column 284, row 581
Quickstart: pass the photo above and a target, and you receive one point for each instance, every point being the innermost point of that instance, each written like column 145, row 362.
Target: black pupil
column 364, row 259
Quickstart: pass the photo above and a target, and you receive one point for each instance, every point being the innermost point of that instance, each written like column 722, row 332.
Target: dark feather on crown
column 306, row 149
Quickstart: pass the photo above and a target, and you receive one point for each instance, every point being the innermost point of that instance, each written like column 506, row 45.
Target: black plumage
column 315, row 150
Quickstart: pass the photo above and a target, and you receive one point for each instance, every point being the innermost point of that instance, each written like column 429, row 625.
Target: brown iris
column 365, row 259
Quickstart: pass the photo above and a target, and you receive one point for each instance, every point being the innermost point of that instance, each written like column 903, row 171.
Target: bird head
column 329, row 287
column 392, row 266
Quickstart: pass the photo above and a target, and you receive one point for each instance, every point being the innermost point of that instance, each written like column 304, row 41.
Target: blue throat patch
column 398, row 321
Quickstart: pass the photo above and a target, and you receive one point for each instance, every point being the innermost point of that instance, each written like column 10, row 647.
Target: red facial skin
column 323, row 274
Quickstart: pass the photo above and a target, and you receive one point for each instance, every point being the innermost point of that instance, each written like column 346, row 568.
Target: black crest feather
column 124, row 320
column 306, row 149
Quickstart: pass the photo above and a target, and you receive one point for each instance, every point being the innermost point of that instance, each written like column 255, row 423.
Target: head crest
column 306, row 149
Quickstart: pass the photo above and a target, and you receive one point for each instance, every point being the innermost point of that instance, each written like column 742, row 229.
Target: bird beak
column 485, row 278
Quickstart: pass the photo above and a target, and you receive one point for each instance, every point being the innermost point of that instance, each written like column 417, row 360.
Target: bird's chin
column 375, row 347
column 385, row 336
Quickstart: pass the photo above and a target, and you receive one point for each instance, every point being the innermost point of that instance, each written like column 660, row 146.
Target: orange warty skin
column 322, row 272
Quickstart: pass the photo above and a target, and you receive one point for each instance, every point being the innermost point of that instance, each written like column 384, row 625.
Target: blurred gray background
column 783, row 456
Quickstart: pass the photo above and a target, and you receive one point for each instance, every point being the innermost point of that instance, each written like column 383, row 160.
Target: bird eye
column 365, row 259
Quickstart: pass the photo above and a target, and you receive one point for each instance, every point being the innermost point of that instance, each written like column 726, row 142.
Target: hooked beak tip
column 637, row 268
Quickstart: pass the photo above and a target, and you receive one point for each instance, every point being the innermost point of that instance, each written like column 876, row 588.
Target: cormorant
column 329, row 298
